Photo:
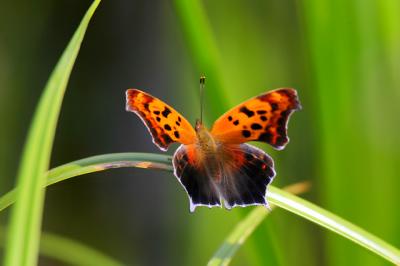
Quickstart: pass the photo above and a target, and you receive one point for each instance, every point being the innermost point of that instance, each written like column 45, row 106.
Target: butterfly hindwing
column 246, row 176
column 238, row 174
column 192, row 174
column 263, row 118
column 164, row 123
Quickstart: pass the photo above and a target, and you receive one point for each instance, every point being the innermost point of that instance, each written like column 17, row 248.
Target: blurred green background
column 343, row 57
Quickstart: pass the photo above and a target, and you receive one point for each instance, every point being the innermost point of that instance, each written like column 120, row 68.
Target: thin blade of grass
column 275, row 196
column 23, row 240
column 65, row 250
column 246, row 227
column 95, row 164
column 334, row 223
column 203, row 47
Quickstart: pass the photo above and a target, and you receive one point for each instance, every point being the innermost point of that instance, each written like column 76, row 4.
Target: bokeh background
column 343, row 57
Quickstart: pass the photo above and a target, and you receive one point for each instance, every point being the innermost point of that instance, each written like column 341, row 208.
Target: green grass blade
column 23, row 239
column 72, row 252
column 276, row 196
column 238, row 236
column 245, row 228
column 95, row 164
column 65, row 250
column 334, row 223
column 203, row 47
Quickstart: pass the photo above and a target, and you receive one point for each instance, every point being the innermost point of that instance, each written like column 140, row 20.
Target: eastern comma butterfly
column 216, row 165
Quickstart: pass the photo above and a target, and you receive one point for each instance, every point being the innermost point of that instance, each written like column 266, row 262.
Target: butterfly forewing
column 263, row 118
column 164, row 123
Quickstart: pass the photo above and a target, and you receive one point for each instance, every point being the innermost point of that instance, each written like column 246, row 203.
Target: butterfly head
column 199, row 125
column 201, row 129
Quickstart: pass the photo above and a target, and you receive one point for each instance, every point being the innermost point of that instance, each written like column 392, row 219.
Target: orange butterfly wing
column 262, row 118
column 164, row 123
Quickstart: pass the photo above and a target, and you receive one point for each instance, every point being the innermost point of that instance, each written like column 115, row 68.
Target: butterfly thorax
column 205, row 141
column 208, row 149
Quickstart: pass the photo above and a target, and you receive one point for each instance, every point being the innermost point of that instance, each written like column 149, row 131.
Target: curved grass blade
column 65, row 250
column 23, row 240
column 246, row 227
column 334, row 223
column 95, row 164
column 275, row 196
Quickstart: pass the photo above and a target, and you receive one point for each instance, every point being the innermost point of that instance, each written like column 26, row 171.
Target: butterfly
column 217, row 165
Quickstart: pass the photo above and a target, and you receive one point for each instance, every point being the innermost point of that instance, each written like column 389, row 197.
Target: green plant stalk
column 65, row 250
column 23, row 240
column 275, row 195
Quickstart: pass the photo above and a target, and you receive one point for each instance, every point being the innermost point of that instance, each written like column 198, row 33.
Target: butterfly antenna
column 202, row 85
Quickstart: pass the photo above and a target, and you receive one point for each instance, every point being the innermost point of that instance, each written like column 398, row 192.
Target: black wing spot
column 156, row 112
column 256, row 126
column 267, row 137
column 158, row 119
column 176, row 134
column 166, row 112
column 263, row 118
column 248, row 156
column 261, row 112
column 236, row 122
column 167, row 139
column 274, row 106
column 167, row 127
column 246, row 111
column 281, row 131
column 179, row 119
column 177, row 123
column 246, row 133
column 281, row 140
column 230, row 118
column 146, row 106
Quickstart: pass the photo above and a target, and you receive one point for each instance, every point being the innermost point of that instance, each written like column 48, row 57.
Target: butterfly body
column 205, row 141
column 216, row 166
